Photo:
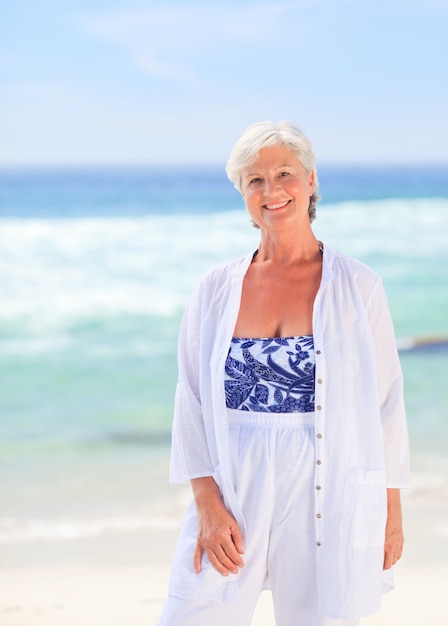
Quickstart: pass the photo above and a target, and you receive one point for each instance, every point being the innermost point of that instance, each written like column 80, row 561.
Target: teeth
column 277, row 206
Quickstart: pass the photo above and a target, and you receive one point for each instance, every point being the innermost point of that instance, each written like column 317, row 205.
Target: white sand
column 133, row 595
column 120, row 580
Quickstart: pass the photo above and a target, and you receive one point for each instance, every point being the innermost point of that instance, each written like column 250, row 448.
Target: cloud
column 163, row 42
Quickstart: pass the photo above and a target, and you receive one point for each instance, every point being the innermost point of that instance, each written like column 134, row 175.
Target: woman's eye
column 284, row 173
column 254, row 180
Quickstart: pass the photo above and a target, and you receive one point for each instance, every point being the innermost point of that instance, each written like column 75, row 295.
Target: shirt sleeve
column 189, row 452
column 390, row 389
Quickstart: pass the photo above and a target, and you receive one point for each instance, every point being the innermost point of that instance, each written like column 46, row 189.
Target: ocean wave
column 57, row 273
column 399, row 229
column 14, row 531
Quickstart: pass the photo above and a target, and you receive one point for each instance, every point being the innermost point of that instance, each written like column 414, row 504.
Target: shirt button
column 318, row 516
column 319, row 436
column 319, row 462
column 318, row 543
column 320, row 381
column 319, row 408
column 318, row 487
column 317, row 351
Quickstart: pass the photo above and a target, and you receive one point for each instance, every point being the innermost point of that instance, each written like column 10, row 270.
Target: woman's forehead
column 272, row 157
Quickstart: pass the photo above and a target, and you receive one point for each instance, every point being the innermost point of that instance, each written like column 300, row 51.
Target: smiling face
column 277, row 189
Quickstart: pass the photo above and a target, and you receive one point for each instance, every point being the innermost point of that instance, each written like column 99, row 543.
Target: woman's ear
column 311, row 182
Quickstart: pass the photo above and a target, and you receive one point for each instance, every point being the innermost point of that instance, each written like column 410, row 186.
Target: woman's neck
column 287, row 247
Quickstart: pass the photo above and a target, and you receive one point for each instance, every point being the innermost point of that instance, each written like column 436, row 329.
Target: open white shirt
column 360, row 424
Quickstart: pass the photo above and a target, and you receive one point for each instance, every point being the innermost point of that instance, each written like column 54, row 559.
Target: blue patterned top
column 271, row 375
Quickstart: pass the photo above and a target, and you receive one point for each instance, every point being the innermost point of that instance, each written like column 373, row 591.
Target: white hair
column 266, row 134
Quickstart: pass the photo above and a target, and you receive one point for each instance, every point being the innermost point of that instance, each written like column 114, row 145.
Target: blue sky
column 115, row 81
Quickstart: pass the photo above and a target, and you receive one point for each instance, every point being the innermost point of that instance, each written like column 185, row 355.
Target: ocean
column 96, row 266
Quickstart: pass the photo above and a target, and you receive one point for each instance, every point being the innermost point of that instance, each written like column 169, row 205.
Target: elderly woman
column 289, row 418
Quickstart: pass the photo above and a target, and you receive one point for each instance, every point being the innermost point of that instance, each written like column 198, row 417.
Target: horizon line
column 98, row 165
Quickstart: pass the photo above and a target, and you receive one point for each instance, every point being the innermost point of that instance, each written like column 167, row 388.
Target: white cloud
column 150, row 65
column 152, row 37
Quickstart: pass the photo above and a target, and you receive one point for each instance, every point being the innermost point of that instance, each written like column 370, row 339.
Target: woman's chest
column 276, row 304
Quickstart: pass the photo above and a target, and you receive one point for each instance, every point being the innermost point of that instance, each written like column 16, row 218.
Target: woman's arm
column 393, row 545
column 393, row 419
column 390, row 390
column 190, row 456
column 218, row 532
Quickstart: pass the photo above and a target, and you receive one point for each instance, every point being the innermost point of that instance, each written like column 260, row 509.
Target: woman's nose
column 271, row 186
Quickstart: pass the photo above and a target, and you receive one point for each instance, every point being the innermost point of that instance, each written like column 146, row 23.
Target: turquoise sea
column 96, row 266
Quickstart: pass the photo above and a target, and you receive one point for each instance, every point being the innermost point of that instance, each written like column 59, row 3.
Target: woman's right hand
column 218, row 532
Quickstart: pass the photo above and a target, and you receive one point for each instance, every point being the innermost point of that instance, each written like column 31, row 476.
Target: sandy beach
column 115, row 596
column 121, row 578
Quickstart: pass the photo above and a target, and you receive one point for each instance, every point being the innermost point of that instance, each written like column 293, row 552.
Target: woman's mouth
column 272, row 207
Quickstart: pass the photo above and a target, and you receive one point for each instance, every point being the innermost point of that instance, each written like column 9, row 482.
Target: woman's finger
column 237, row 539
column 231, row 552
column 221, row 562
column 225, row 553
column 197, row 560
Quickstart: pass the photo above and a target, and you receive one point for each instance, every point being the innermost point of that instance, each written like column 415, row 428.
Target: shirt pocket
column 207, row 586
column 364, row 507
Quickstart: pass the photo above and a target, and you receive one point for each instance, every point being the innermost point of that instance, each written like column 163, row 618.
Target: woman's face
column 277, row 189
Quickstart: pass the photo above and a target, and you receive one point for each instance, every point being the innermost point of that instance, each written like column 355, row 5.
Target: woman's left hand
column 393, row 544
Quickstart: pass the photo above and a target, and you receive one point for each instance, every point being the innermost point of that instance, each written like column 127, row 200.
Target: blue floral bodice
column 270, row 375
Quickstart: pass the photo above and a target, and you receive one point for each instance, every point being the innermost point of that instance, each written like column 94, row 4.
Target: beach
column 97, row 267
column 121, row 577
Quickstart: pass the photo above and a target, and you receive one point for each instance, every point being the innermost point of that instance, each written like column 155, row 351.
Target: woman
column 289, row 418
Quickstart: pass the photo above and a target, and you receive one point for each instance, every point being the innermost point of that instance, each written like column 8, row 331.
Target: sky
column 131, row 82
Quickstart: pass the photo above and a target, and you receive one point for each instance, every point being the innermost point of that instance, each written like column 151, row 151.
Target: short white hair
column 266, row 134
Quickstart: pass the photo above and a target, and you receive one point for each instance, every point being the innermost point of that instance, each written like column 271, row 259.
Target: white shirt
column 361, row 436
